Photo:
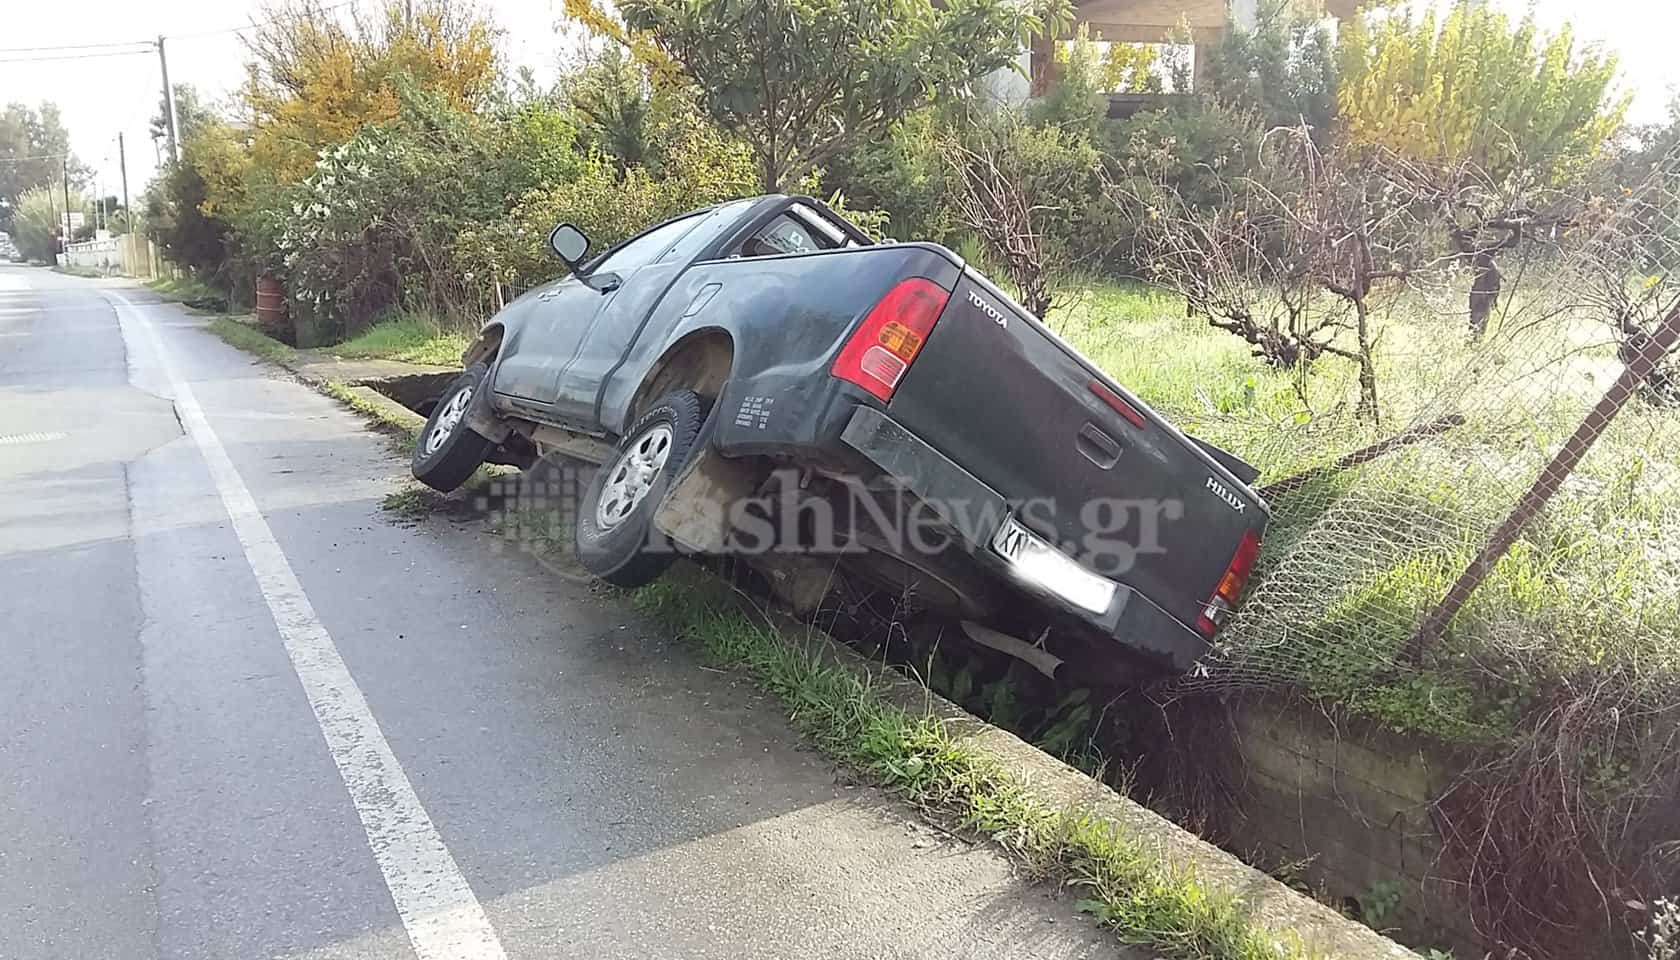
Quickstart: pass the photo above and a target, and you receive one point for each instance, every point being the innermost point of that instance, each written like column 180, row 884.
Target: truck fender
column 486, row 349
column 702, row 361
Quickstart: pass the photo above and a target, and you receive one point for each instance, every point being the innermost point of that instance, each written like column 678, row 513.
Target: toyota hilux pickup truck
column 760, row 379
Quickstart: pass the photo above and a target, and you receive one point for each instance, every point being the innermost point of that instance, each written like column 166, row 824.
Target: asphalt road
column 244, row 714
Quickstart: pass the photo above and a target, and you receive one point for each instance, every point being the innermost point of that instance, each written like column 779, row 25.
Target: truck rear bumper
column 975, row 512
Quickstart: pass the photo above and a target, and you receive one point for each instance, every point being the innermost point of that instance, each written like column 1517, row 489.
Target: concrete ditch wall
column 1347, row 806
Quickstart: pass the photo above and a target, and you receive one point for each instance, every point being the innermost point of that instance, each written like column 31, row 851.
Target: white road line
column 32, row 437
column 443, row 918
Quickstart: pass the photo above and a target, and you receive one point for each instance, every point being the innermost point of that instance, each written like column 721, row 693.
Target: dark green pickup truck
column 759, row 378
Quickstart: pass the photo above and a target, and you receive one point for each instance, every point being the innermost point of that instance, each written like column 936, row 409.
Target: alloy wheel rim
column 632, row 475
column 448, row 418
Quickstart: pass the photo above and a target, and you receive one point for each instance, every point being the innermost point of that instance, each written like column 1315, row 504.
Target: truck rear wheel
column 615, row 536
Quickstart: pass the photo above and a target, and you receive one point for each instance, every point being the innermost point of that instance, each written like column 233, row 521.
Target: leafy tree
column 181, row 219
column 317, row 79
column 38, row 224
column 615, row 105
column 1492, row 112
column 1283, row 73
column 802, row 80
column 31, row 145
column 191, row 113
column 598, row 18
column 1477, row 88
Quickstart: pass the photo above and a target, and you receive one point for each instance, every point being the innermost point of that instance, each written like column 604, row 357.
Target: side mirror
column 569, row 244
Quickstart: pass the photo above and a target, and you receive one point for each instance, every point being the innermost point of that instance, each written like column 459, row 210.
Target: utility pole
column 169, row 105
column 64, row 162
column 122, row 167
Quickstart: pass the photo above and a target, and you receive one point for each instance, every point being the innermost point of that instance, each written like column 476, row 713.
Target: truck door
column 567, row 312
column 625, row 314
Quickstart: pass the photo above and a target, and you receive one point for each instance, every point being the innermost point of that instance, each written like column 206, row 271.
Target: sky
column 104, row 95
column 101, row 96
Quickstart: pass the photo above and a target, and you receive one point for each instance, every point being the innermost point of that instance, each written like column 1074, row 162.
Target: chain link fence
column 1498, row 565
column 1373, row 527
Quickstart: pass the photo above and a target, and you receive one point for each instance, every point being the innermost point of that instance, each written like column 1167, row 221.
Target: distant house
column 1151, row 21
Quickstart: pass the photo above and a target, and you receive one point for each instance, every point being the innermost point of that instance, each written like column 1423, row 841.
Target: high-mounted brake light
column 1229, row 592
column 881, row 348
column 1119, row 404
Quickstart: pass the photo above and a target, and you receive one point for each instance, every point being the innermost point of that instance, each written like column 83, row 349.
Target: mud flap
column 695, row 513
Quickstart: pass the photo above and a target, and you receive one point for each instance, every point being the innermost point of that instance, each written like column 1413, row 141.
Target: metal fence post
column 1546, row 484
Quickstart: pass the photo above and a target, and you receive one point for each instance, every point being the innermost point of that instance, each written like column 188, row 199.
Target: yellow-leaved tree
column 317, row 77
column 1502, row 117
column 1475, row 87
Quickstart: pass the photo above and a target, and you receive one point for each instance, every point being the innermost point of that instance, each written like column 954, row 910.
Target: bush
column 1197, row 149
column 370, row 229
column 699, row 166
column 1028, row 191
column 177, row 222
column 903, row 175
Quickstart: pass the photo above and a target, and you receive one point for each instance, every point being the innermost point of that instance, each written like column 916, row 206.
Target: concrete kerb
column 352, row 377
column 1270, row 903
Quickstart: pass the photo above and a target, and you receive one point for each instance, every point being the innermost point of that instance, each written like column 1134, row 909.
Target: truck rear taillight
column 1229, row 592
column 881, row 348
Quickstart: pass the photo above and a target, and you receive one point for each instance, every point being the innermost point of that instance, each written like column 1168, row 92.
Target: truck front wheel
column 615, row 536
column 448, row 451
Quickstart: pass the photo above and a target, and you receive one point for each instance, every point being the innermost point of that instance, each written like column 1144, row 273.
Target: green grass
column 1121, row 883
column 410, row 338
column 543, row 532
column 185, row 289
column 251, row 340
column 411, row 502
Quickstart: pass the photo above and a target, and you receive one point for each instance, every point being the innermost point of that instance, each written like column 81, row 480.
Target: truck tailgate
column 1089, row 466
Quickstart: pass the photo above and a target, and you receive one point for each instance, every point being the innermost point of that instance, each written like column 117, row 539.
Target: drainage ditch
column 418, row 392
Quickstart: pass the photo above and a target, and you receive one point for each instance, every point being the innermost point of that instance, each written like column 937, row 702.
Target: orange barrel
column 271, row 306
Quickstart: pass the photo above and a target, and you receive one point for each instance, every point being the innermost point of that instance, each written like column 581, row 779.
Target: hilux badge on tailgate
column 988, row 309
column 1231, row 499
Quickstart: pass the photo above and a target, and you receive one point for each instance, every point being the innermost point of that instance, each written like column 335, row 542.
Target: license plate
column 1033, row 560
column 1011, row 540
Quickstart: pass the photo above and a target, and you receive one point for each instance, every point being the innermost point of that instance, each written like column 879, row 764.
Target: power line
column 79, row 56
column 75, row 46
column 148, row 45
column 212, row 33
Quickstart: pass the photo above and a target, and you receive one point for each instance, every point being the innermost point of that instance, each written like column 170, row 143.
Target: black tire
column 619, row 545
column 446, row 454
